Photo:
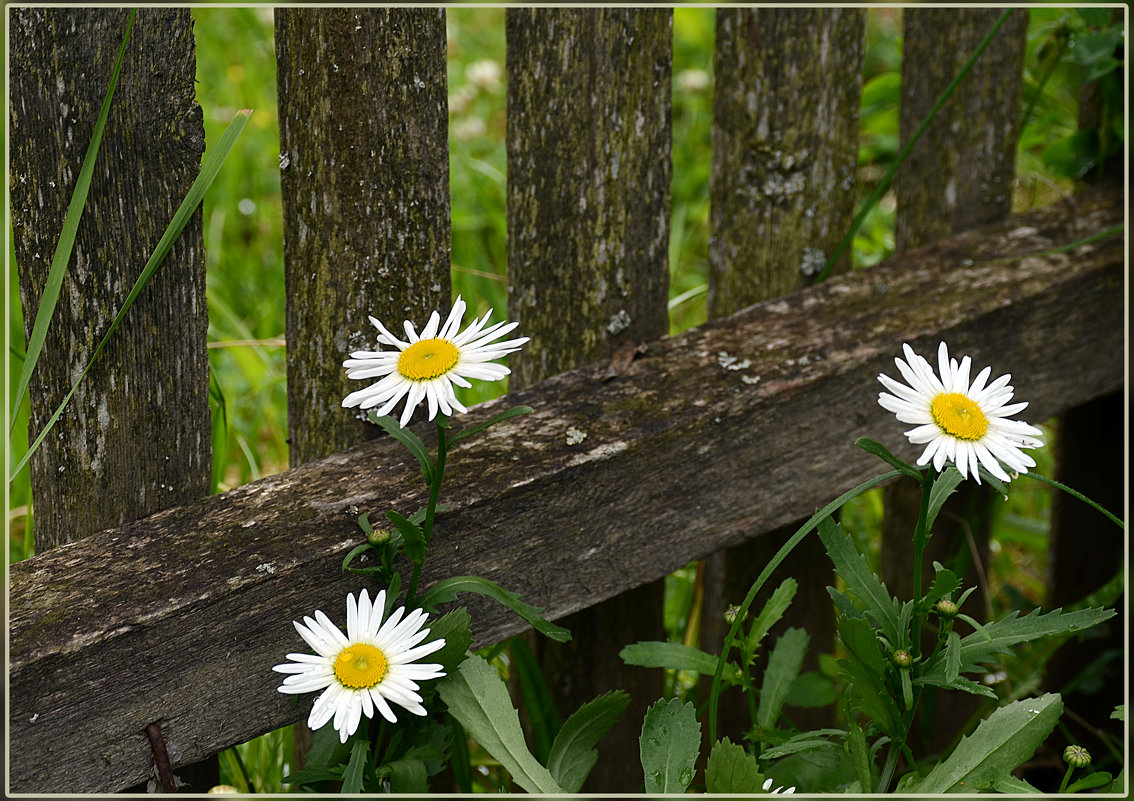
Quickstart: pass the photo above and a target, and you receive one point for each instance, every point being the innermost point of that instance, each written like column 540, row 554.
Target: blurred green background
column 243, row 234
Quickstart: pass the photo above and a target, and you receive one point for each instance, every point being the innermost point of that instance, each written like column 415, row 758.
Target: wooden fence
column 162, row 605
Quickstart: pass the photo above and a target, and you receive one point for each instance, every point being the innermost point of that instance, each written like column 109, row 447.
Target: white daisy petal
column 370, row 669
column 960, row 422
column 428, row 366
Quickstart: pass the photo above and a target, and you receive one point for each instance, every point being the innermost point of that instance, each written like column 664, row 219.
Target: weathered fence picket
column 589, row 174
column 785, row 122
column 364, row 167
column 142, row 440
column 176, row 618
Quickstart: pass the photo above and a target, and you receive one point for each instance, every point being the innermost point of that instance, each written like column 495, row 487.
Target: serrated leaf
column 676, row 656
column 959, row 683
column 407, row 776
column 573, row 753
column 476, row 696
column 807, row 741
column 783, row 668
column 326, row 749
column 447, row 589
column 355, row 770
column 1089, row 782
column 869, row 694
column 860, row 755
column 952, row 656
column 992, row 639
column 1119, row 712
column 877, row 449
column 944, row 486
column 669, row 744
column 843, row 604
column 454, row 628
column 411, row 440
column 773, row 610
column 860, row 639
column 1011, row 785
column 542, row 717
column 1001, row 743
column 515, row 411
column 945, row 582
column 731, row 769
column 861, row 581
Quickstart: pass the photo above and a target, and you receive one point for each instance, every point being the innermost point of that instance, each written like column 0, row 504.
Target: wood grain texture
column 960, row 173
column 785, row 148
column 178, row 618
column 589, row 174
column 141, row 439
column 589, row 169
column 364, row 165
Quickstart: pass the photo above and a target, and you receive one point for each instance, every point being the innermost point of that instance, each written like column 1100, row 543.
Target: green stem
column 1052, row 62
column 773, row 563
column 431, row 507
column 884, row 184
column 1076, row 494
column 921, row 539
column 888, row 768
column 1066, row 778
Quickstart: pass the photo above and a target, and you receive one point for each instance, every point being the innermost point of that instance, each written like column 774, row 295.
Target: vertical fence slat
column 364, row 165
column 589, row 167
column 959, row 175
column 785, row 145
column 136, row 436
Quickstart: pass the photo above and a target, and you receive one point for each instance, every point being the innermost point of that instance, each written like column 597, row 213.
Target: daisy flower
column 427, row 367
column 959, row 422
column 364, row 670
column 768, row 786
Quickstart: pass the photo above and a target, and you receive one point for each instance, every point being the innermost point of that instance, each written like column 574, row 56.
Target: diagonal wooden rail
column 740, row 425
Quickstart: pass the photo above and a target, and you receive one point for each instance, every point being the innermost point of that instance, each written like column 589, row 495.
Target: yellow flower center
column 428, row 358
column 360, row 666
column 959, row 415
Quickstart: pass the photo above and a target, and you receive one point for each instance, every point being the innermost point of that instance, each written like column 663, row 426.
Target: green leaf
column 860, row 755
column 1000, row 744
column 996, row 638
column 1119, row 712
column 515, row 411
column 447, row 589
column 412, row 534
column 669, row 744
column 952, row 656
column 1090, row 782
column 66, row 243
column 356, row 769
column 1012, row 786
column 409, row 439
column 312, row 775
column 944, row 486
column 807, row 741
column 960, row 683
column 945, row 582
column 861, row 581
column 731, row 769
column 478, row 699
column 326, row 749
column 877, row 449
column 454, row 629
column 860, row 639
column 773, row 610
column 1096, row 47
column 181, row 217
column 573, row 753
column 407, row 776
column 868, row 693
column 811, row 689
column 355, row 551
column 676, row 656
column 542, row 717
column 783, row 668
column 219, row 409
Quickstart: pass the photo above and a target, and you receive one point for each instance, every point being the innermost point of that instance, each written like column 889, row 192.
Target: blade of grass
column 184, row 212
column 884, row 184
column 66, row 242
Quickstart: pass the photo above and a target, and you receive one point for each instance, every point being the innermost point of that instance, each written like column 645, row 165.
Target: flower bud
column 378, row 536
column 731, row 613
column 902, row 658
column 946, row 608
column 1076, row 756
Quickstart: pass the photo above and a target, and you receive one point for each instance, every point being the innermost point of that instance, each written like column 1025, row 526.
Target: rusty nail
column 161, row 758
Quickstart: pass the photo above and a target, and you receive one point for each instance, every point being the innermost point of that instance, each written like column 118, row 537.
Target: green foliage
column 675, row 656
column 1001, row 743
column 573, row 753
column 542, row 717
column 731, row 769
column 447, row 590
column 880, row 607
column 478, row 699
column 670, row 742
column 783, row 668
